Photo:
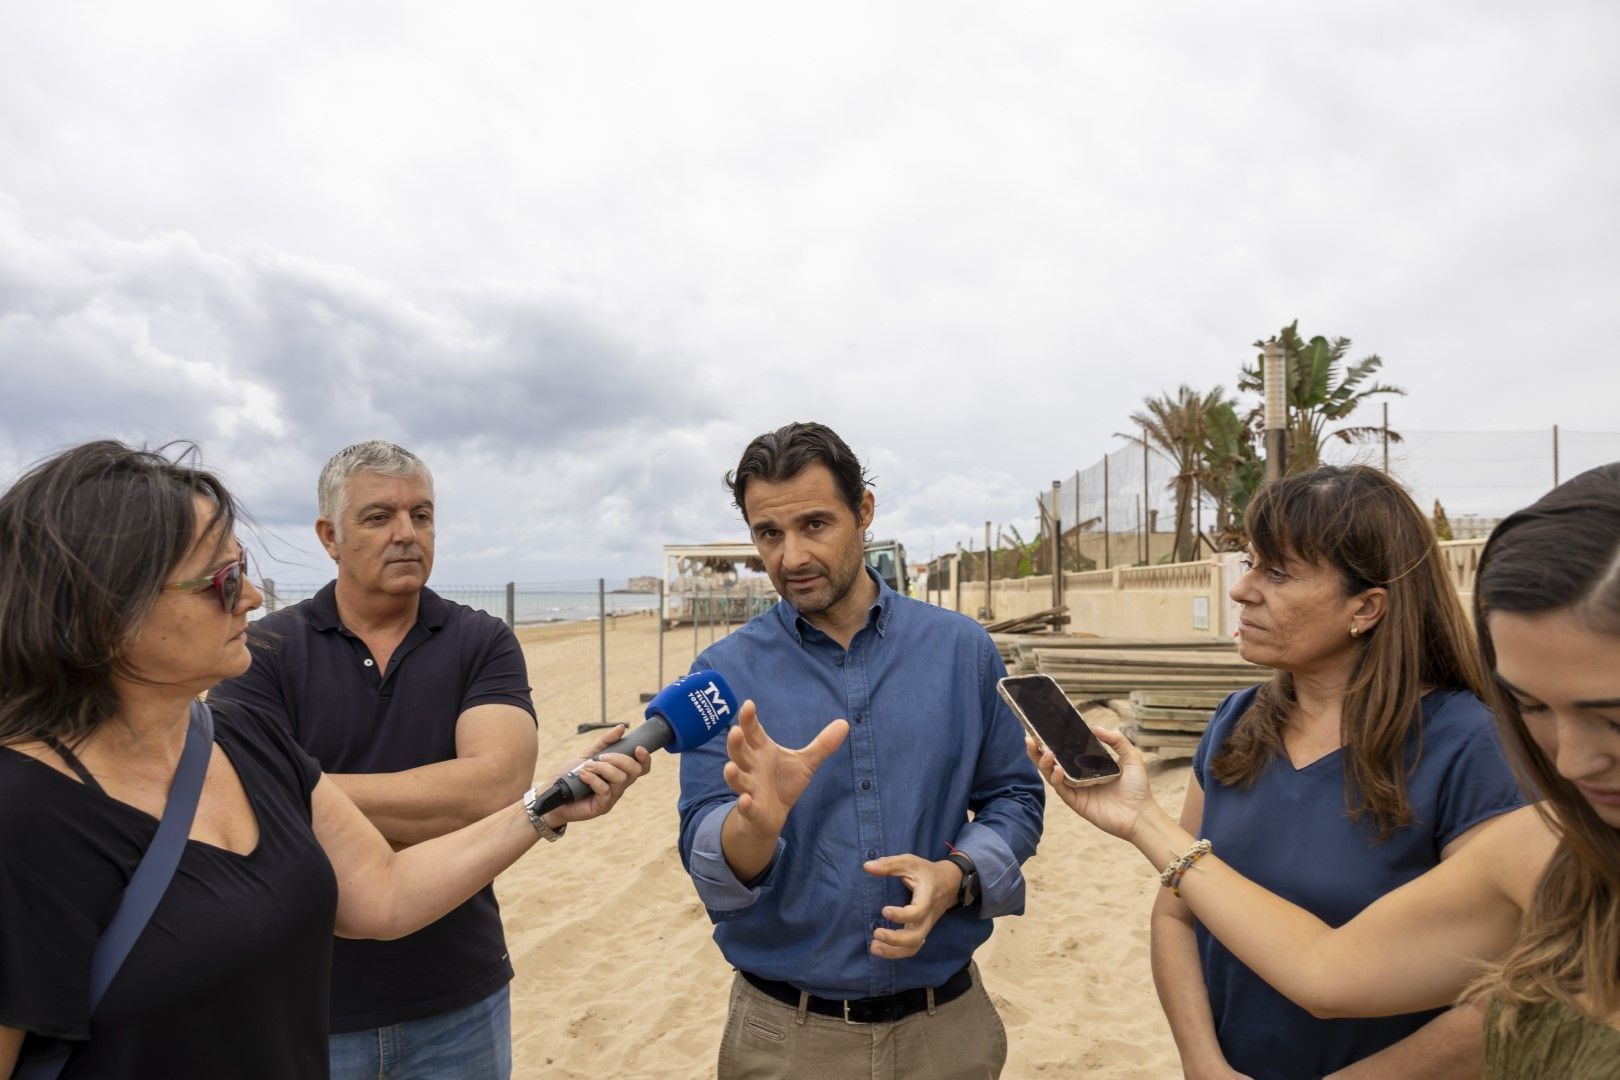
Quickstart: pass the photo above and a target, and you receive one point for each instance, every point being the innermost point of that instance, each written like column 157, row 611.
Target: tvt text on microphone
column 686, row 713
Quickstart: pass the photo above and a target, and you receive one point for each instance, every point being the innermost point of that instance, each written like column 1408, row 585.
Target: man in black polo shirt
column 420, row 710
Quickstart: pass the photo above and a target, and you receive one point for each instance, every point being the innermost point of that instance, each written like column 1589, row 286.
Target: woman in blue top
column 1365, row 761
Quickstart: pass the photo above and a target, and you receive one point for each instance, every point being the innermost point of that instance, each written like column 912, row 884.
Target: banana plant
column 1322, row 390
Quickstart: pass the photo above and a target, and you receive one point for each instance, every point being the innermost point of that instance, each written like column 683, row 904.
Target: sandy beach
column 617, row 975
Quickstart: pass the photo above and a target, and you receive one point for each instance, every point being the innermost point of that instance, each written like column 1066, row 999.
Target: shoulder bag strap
column 149, row 882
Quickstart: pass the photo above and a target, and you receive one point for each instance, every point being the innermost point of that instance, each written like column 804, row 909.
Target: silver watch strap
column 530, row 807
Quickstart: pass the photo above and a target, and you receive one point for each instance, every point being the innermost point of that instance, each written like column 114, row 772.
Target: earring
column 1355, row 631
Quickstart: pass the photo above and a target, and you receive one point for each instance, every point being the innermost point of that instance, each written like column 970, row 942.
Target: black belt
column 873, row 1010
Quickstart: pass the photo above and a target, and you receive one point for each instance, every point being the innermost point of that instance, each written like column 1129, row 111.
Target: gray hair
column 372, row 456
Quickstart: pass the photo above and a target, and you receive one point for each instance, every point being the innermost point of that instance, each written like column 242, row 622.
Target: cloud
column 272, row 363
column 579, row 255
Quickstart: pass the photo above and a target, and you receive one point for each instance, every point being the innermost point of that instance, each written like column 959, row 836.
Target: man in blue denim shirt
column 848, row 883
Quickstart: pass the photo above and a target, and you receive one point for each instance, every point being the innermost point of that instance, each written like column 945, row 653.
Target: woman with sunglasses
column 124, row 596
column 1523, row 924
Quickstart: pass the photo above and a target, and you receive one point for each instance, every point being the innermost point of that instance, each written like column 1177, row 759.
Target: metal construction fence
column 515, row 603
column 1125, row 503
column 601, row 631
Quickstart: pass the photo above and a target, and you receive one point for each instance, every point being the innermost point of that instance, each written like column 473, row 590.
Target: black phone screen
column 1060, row 726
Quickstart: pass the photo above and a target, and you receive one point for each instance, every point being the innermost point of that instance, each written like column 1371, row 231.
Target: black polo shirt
column 319, row 681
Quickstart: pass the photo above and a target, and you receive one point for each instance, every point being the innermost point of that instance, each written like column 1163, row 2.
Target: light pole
column 1276, row 387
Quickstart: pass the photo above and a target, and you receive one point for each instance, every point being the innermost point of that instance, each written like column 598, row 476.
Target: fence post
column 1079, row 548
column 1057, row 544
column 1108, row 561
column 268, row 587
column 601, row 639
column 1386, row 438
column 989, row 568
column 511, row 605
column 660, row 683
column 1147, row 534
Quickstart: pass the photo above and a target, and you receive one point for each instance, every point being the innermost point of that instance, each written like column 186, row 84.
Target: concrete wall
column 1176, row 600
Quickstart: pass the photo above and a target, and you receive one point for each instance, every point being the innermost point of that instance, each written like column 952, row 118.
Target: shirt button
column 866, row 785
column 839, row 661
column 860, row 718
column 871, row 853
column 368, row 661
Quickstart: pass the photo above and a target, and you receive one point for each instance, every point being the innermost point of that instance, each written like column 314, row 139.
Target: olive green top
column 1551, row 1039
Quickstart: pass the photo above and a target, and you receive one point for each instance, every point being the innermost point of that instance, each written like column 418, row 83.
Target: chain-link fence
column 622, row 638
column 1480, row 477
column 1122, row 510
column 517, row 603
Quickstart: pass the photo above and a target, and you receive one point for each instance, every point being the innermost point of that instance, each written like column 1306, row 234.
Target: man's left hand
column 933, row 888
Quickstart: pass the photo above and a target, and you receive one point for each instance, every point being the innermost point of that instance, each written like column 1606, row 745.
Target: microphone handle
column 654, row 733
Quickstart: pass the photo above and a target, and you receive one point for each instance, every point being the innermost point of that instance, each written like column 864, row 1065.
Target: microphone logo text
column 712, row 692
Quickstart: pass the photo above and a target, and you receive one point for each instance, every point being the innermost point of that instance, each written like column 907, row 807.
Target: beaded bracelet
column 1171, row 876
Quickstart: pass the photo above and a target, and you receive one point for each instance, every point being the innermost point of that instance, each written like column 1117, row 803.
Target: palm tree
column 1321, row 391
column 1231, row 472
column 1177, row 427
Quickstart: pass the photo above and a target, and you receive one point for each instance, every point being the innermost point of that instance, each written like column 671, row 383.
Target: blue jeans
column 471, row 1043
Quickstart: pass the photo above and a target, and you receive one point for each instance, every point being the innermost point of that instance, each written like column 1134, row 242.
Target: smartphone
column 1047, row 714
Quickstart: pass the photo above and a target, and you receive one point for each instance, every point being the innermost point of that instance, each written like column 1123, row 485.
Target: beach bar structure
column 714, row 583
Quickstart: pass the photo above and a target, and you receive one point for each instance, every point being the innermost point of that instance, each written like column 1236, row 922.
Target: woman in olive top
column 1525, row 922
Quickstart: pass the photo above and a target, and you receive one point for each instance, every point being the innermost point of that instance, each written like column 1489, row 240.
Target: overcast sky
column 576, row 255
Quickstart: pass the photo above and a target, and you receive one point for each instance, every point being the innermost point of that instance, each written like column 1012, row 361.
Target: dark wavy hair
column 1363, row 524
column 786, row 452
column 88, row 539
column 1561, row 554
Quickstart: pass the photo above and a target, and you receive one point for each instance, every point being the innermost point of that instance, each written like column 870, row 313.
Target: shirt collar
column 879, row 614
column 432, row 610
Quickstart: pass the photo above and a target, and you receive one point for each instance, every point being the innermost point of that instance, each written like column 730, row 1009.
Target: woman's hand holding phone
column 1117, row 806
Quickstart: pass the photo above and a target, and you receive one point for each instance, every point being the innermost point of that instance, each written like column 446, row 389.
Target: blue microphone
column 686, row 713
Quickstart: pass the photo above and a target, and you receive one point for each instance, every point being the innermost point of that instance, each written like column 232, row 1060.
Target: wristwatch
column 538, row 819
column 968, row 894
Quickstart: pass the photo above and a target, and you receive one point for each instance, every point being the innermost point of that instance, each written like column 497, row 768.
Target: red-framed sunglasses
column 226, row 583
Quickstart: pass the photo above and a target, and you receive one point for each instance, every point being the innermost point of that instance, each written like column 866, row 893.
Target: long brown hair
column 1561, row 554
column 1363, row 524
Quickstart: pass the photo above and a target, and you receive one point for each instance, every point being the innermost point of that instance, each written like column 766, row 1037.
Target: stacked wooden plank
column 1169, row 721
column 1051, row 618
column 1101, row 674
column 1018, row 650
column 1164, row 690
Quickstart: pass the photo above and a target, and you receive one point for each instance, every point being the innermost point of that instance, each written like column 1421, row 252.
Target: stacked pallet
column 1164, row 690
column 1168, row 721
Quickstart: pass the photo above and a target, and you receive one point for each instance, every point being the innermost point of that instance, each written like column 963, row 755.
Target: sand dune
column 617, row 975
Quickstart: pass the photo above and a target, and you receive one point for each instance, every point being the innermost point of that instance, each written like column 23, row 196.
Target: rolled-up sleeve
column 705, row 802
column 1007, row 800
column 719, row 889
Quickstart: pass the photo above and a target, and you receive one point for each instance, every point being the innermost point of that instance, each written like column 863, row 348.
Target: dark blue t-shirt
column 1291, row 833
column 319, row 682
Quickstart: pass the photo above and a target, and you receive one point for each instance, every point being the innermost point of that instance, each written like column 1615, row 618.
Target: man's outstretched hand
column 768, row 779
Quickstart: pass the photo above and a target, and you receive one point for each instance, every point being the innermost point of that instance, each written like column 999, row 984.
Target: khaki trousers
column 767, row 1040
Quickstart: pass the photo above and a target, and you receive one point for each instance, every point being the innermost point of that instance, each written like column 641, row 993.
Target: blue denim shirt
column 930, row 740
